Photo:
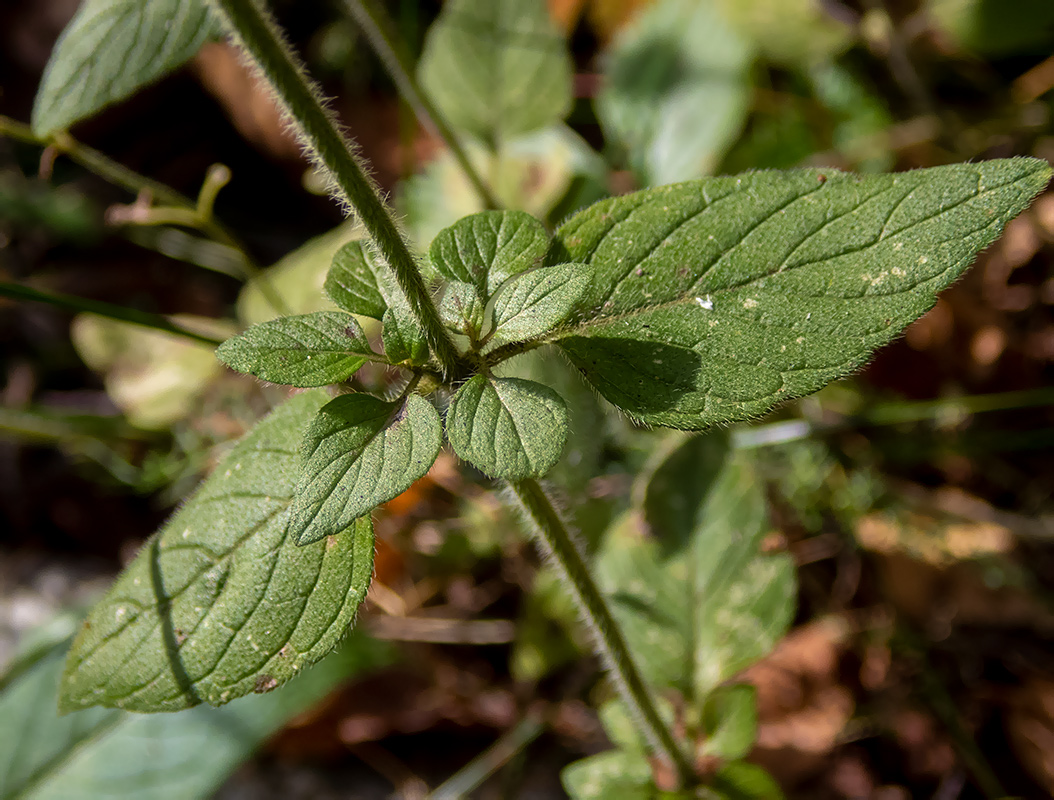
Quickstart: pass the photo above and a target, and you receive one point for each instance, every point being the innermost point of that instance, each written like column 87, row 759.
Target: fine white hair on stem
column 308, row 143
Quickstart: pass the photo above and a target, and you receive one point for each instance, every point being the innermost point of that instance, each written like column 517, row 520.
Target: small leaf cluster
column 361, row 450
column 698, row 602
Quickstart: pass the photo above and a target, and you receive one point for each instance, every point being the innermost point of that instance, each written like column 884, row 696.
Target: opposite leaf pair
column 361, row 451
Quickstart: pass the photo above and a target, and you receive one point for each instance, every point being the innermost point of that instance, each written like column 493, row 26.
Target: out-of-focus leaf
column 298, row 278
column 360, row 452
column 793, row 33
column 102, row 752
column 152, row 376
column 730, row 721
column 507, row 427
column 112, row 48
column 677, row 90
column 532, row 173
column 996, row 27
column 742, row 781
column 714, row 300
column 626, row 776
column 498, row 68
column 861, row 117
column 698, row 617
column 221, row 602
column 306, row 350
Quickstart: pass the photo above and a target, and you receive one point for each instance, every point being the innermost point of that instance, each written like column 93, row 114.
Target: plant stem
column 256, row 32
column 193, row 214
column 557, row 540
column 469, row 777
column 122, row 313
column 375, row 25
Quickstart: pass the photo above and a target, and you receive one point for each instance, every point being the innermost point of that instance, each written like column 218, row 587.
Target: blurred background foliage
column 915, row 499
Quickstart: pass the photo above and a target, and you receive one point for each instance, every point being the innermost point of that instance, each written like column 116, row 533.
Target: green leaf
column 360, row 452
column 743, row 781
column 221, row 602
column 507, row 427
column 730, row 720
column 112, row 48
column 358, row 282
column 995, row 28
column 308, row 350
column 676, row 91
column 678, row 489
column 298, row 278
column 536, row 301
column 462, row 309
column 624, row 731
column 485, row 249
column 715, row 606
column 616, row 773
column 714, row 300
column 496, row 69
column 403, row 339
column 155, row 378
column 119, row 755
column 792, row 33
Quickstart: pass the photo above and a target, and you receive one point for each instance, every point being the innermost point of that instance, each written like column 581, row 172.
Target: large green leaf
column 101, row 752
column 676, row 91
column 714, row 300
column 221, row 602
column 536, row 301
column 110, row 49
column 699, row 616
column 507, row 427
column 307, row 350
column 360, row 452
column 487, row 248
column 496, row 68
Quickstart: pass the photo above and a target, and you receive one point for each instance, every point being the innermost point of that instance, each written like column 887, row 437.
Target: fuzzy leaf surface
column 496, row 69
column 358, row 283
column 307, row 350
column 101, row 752
column 221, row 602
column 536, row 301
column 714, row 300
column 403, row 339
column 507, row 428
column 462, row 309
column 359, row 452
column 485, row 249
column 111, row 49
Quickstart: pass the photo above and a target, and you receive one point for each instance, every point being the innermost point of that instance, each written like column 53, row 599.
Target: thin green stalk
column 191, row 214
column 469, row 777
column 256, row 32
column 377, row 28
column 558, row 542
column 122, row 313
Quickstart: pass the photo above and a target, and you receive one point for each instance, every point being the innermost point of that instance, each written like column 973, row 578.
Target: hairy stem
column 122, row 313
column 371, row 18
column 557, row 540
column 317, row 130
